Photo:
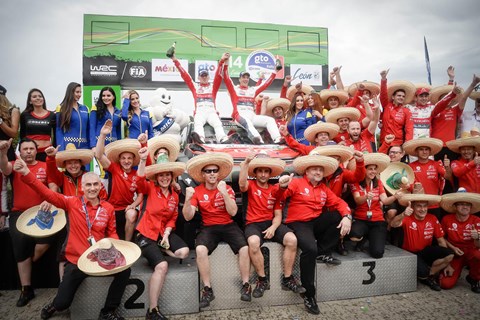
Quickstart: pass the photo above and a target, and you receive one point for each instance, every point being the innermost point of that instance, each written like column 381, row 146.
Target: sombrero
column 115, row 149
column 373, row 87
column 412, row 197
column 130, row 251
column 434, row 144
column 311, row 132
column 163, row 165
column 40, row 224
column 342, row 96
column 224, row 161
column 342, row 112
column 475, row 93
column 329, row 164
column 345, row 153
column 437, row 92
column 167, row 142
column 407, row 86
column 72, row 153
column 395, row 174
column 381, row 160
column 449, row 200
column 277, row 102
column 306, row 89
column 276, row 165
column 455, row 145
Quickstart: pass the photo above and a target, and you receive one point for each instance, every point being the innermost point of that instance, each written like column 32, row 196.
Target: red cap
column 422, row 91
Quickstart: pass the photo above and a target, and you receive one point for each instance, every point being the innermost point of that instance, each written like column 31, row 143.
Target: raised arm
column 228, row 198
column 466, row 94
column 12, row 129
column 338, row 78
column 384, row 98
column 5, row 165
column 243, row 175
column 189, row 209
column 397, row 221
column 100, row 147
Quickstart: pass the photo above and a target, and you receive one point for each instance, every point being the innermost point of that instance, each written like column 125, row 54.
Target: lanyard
column 369, row 201
column 87, row 218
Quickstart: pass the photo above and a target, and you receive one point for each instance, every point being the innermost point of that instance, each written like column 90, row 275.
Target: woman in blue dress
column 299, row 117
column 138, row 120
column 103, row 110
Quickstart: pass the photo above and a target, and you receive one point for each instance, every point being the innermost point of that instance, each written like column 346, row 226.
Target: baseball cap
column 202, row 72
column 422, row 91
column 244, row 73
column 3, row 91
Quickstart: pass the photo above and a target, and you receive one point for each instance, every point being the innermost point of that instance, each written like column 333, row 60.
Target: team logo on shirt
column 259, row 193
column 454, row 226
column 205, row 196
column 413, row 226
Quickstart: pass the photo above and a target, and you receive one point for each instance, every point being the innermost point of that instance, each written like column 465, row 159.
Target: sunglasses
column 207, row 171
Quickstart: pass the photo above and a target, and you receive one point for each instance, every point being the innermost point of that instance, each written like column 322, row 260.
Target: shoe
column 110, row 315
column 292, row 284
column 432, row 283
column 260, row 288
column 475, row 285
column 257, row 140
column 155, row 314
column 206, row 297
column 341, row 249
column 47, row 311
column 225, row 140
column 25, row 297
column 246, row 292
column 327, row 259
column 311, row 305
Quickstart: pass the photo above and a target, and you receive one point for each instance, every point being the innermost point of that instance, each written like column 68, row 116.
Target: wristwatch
column 349, row 216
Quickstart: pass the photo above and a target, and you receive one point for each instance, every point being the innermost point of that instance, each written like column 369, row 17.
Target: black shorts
column 256, row 229
column 153, row 252
column 230, row 233
column 427, row 256
column 24, row 245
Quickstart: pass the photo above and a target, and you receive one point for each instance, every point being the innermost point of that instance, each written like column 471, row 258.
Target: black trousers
column 73, row 277
column 376, row 231
column 315, row 237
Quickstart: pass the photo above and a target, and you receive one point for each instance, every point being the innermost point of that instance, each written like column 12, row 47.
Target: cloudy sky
column 42, row 40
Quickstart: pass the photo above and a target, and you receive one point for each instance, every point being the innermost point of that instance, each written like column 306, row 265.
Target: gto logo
column 103, row 70
column 138, row 71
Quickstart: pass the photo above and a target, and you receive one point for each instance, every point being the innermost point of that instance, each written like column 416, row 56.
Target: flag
column 427, row 61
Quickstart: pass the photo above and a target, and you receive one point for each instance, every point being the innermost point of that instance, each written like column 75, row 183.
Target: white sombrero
column 163, row 165
column 41, row 224
column 85, row 156
column 373, row 87
column 277, row 102
column 381, row 160
column 434, row 144
column 342, row 96
column 306, row 89
column 449, row 200
column 343, row 112
column 115, row 149
column 455, row 145
column 437, row 93
column 276, row 165
column 164, row 141
column 419, row 197
column 406, row 86
column 130, row 251
column 329, row 164
column 395, row 174
column 311, row 132
column 224, row 161
column 345, row 153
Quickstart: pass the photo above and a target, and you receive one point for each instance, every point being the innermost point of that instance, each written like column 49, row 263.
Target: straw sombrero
column 72, row 153
column 306, row 89
column 407, row 86
column 455, row 145
column 393, row 175
column 163, row 165
column 329, row 164
column 412, row 197
column 276, row 165
column 381, row 160
column 345, row 153
column 449, row 200
column 373, row 87
column 224, row 161
column 41, row 224
column 277, row 102
column 311, row 132
column 437, row 93
column 129, row 250
column 343, row 112
column 434, row 144
column 168, row 142
column 115, row 149
column 475, row 93
column 342, row 96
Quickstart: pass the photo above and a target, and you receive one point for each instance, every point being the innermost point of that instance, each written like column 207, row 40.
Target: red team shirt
column 459, row 233
column 419, row 234
column 444, row 121
column 211, row 205
column 262, row 202
column 468, row 174
column 161, row 211
column 124, row 186
column 24, row 197
column 363, row 144
column 102, row 218
column 376, row 208
column 429, row 175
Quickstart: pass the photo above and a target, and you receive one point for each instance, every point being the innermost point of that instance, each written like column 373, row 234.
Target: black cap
column 244, row 73
column 3, row 91
column 202, row 72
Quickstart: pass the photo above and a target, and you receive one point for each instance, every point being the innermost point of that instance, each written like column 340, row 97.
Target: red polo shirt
column 24, row 196
column 124, row 186
column 468, row 174
column 419, row 234
column 261, row 202
column 212, row 205
column 375, row 206
column 459, row 233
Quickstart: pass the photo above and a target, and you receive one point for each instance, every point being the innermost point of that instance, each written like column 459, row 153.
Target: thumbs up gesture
column 408, row 210
column 446, row 161
column 476, row 159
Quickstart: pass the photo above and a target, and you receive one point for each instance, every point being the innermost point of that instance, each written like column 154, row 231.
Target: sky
column 42, row 40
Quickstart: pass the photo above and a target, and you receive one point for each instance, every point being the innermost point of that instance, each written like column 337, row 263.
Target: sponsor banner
column 307, row 73
column 258, row 62
column 102, row 70
column 164, row 70
column 209, row 65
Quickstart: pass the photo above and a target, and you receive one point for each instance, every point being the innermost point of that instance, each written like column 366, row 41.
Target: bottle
column 278, row 65
column 171, row 50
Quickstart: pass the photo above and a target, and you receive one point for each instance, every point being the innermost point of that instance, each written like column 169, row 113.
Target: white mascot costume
column 165, row 118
